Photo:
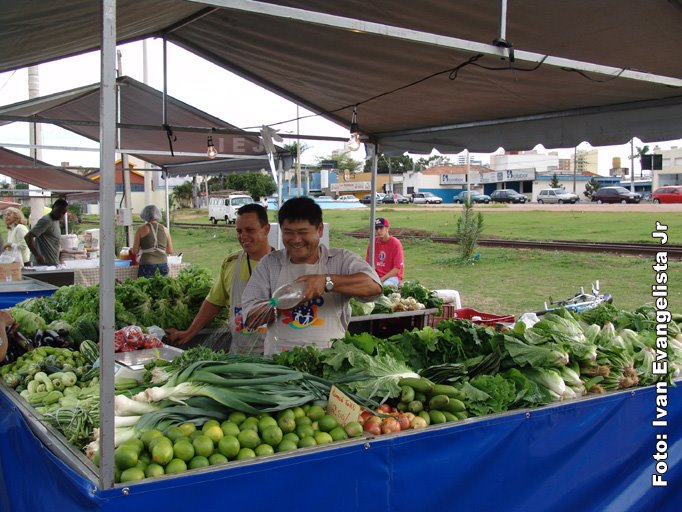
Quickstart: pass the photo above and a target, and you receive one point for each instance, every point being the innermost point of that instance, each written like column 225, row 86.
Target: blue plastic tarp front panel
column 587, row 455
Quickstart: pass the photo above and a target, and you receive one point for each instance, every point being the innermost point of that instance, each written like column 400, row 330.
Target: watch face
column 329, row 284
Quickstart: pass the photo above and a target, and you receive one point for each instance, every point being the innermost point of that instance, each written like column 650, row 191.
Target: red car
column 668, row 194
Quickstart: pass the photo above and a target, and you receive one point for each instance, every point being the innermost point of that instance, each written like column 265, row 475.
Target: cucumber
column 426, row 416
column 437, row 417
column 419, row 396
column 402, row 407
column 462, row 415
column 415, row 406
column 421, row 385
column 407, row 394
column 449, row 391
column 449, row 416
column 438, row 402
column 454, row 406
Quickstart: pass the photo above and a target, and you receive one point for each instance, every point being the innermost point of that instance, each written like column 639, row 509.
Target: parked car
column 615, row 195
column 668, row 194
column 507, row 195
column 367, row 199
column 348, row 198
column 425, row 198
column 557, row 195
column 394, row 198
column 475, row 197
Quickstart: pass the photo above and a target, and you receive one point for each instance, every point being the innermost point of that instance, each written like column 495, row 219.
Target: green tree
column 182, row 195
column 398, row 164
column 469, row 229
column 255, row 184
column 591, row 187
column 433, row 161
column 343, row 162
column 555, row 181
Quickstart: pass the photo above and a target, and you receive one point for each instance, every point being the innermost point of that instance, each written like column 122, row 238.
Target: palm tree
column 296, row 149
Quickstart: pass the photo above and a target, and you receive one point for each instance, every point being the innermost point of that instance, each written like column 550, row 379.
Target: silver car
column 557, row 195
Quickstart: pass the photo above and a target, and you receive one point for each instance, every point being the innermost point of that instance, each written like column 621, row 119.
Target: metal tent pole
column 107, row 102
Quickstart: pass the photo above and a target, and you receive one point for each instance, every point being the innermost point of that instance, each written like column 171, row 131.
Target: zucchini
column 462, row 415
column 437, row 417
column 454, row 406
column 449, row 391
column 415, row 406
column 407, row 394
column 52, row 397
column 420, row 385
column 449, row 416
column 438, row 402
column 426, row 417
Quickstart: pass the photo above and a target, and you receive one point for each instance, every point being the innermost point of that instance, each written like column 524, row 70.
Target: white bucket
column 68, row 242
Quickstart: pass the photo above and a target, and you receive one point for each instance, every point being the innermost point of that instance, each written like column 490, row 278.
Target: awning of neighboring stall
column 40, row 174
column 143, row 133
column 419, row 78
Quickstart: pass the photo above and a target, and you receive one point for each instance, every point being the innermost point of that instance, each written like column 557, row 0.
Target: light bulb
column 211, row 151
column 353, row 143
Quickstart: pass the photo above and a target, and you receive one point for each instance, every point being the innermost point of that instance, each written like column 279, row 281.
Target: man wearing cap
column 388, row 254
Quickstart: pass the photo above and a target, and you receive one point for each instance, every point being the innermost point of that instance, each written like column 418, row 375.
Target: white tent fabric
column 480, row 105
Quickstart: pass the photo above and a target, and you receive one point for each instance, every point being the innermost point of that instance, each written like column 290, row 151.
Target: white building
column 671, row 174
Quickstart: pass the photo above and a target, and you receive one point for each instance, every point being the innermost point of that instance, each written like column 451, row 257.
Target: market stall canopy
column 143, row 134
column 415, row 88
column 43, row 175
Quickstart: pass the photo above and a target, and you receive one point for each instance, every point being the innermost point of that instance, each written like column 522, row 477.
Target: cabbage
column 29, row 323
column 359, row 308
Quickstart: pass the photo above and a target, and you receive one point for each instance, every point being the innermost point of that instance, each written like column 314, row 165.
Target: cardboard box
column 10, row 271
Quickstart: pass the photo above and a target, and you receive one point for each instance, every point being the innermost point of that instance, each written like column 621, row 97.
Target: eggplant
column 38, row 338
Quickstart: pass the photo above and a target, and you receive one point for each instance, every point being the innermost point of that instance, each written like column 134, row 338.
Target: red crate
column 485, row 318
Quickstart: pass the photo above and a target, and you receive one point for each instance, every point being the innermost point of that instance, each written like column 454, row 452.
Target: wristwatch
column 328, row 284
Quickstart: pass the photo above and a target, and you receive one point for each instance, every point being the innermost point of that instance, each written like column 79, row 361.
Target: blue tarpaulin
column 583, row 455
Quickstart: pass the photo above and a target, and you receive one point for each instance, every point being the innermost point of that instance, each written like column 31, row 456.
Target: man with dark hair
column 252, row 232
column 44, row 238
column 329, row 276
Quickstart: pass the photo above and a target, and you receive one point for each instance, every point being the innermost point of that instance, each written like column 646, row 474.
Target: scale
column 136, row 359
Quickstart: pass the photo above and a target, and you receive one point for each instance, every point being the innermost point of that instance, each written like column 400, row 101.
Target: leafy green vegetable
column 359, row 308
column 537, row 356
column 28, row 322
column 489, row 394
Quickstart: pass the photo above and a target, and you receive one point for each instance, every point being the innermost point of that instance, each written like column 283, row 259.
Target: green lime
column 162, row 453
column 286, row 446
column 323, row 438
column 203, row 446
column 305, row 431
column 229, row 446
column 132, row 475
column 159, row 440
column 144, row 457
column 209, row 424
column 327, row 423
column 298, row 412
column 198, row 462
column 290, row 437
column 195, row 434
column 249, row 423
column 117, row 475
column 307, row 441
column 188, row 428
column 176, row 466
column 246, row 453
column 338, row 434
column 229, row 428
column 136, row 444
column 267, row 421
column 315, row 412
column 125, row 457
column 174, row 433
column 353, row 429
column 248, row 439
column 264, row 449
column 148, row 435
column 141, row 464
column 272, row 435
column 303, row 420
column 183, row 450
column 154, row 470
column 286, row 413
column 306, row 408
column 214, row 433
column 217, row 458
column 236, row 417
column 287, row 423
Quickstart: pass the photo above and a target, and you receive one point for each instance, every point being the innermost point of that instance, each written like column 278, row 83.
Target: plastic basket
column 481, row 318
column 470, row 314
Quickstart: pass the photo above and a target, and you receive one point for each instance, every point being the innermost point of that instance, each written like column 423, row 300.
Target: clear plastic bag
column 285, row 297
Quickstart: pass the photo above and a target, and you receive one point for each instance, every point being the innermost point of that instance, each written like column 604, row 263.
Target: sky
column 208, row 88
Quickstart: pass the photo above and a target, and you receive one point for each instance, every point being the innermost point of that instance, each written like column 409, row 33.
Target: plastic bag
column 132, row 338
column 285, row 297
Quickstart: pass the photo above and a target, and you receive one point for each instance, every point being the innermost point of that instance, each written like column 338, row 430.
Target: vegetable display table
column 589, row 455
column 386, row 325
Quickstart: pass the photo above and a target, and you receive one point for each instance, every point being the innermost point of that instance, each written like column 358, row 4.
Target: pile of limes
column 239, row 437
